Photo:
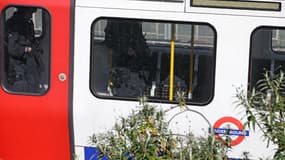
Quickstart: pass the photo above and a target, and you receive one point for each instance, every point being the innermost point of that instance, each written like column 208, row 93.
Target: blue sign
column 232, row 132
column 91, row 153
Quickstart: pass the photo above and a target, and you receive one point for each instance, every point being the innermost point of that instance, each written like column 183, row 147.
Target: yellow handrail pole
column 171, row 74
column 191, row 63
column 110, row 83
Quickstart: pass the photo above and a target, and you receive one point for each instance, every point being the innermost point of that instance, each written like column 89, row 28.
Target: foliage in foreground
column 144, row 134
column 264, row 108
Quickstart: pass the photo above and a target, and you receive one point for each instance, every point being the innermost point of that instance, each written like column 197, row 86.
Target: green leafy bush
column 264, row 107
column 145, row 135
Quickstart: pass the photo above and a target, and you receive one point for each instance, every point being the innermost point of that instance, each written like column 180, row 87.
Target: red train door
column 35, row 121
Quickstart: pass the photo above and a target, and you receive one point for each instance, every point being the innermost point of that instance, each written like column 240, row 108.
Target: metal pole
column 171, row 74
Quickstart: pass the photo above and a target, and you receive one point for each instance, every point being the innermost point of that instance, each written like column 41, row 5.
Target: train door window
column 133, row 58
column 267, row 52
column 27, row 50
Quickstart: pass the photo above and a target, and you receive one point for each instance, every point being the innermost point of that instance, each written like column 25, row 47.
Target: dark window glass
column 132, row 58
column 266, row 46
column 27, row 50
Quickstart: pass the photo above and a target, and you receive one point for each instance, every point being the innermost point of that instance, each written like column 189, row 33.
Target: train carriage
column 91, row 60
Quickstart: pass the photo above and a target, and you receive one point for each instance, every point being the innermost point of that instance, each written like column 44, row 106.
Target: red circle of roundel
column 231, row 120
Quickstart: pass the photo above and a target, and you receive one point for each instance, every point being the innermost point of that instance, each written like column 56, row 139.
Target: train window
column 27, row 50
column 235, row 4
column 133, row 58
column 266, row 45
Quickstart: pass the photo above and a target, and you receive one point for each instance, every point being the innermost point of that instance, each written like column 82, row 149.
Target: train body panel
column 232, row 58
column 37, row 126
column 216, row 49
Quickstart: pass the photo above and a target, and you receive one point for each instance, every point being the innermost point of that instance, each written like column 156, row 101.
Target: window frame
column 46, row 31
column 91, row 67
column 272, row 54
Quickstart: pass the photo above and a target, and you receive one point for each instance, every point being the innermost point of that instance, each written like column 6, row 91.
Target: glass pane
column 27, row 50
column 236, row 4
column 278, row 40
column 263, row 57
column 133, row 59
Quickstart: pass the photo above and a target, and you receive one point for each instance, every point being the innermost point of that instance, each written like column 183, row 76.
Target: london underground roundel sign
column 238, row 133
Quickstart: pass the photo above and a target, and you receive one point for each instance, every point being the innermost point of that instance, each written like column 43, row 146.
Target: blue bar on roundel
column 233, row 132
